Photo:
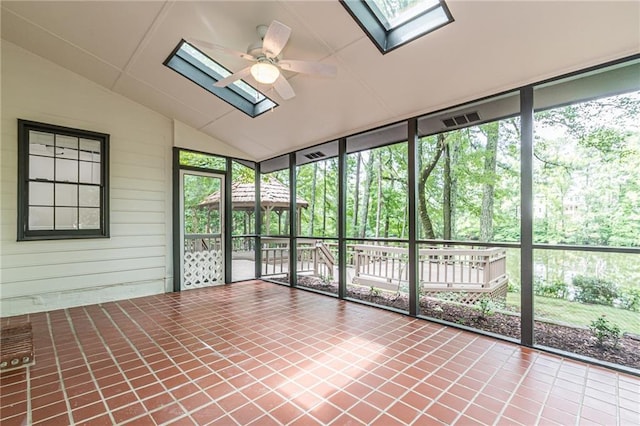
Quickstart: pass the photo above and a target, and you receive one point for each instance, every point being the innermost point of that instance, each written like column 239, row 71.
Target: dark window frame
column 198, row 73
column 386, row 40
column 26, row 234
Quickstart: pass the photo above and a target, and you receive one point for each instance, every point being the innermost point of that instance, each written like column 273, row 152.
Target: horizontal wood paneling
column 52, row 246
column 138, row 253
column 80, row 268
column 58, row 258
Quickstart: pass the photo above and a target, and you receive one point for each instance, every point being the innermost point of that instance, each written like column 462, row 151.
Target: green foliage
column 594, row 290
column 374, row 292
column 557, row 289
column 629, row 298
column 205, row 161
column 485, row 307
column 605, row 331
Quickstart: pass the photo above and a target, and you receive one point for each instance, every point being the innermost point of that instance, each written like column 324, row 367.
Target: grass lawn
column 580, row 314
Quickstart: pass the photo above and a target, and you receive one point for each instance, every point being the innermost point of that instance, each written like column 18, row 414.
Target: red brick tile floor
column 257, row 353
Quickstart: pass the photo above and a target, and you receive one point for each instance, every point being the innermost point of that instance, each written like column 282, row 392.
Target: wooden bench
column 16, row 346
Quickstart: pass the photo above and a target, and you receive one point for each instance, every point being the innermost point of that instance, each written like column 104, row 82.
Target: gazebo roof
column 273, row 195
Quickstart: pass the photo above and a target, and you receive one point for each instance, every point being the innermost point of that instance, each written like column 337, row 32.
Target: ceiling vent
column 460, row 120
column 314, row 155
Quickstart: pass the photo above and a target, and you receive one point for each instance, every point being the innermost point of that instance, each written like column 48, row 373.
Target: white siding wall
column 136, row 259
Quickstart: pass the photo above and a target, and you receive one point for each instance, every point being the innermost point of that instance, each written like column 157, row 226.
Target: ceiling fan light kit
column 268, row 62
column 265, row 72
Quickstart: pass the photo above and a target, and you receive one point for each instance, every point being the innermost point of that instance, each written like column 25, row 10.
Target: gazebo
column 274, row 197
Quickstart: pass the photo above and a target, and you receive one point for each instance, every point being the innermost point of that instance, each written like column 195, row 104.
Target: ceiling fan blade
column 233, row 77
column 313, row 68
column 213, row 46
column 283, row 88
column 275, row 39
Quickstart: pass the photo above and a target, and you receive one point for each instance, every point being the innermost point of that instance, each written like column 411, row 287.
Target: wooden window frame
column 24, row 181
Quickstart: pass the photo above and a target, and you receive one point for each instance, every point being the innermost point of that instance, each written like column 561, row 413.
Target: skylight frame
column 195, row 65
column 387, row 36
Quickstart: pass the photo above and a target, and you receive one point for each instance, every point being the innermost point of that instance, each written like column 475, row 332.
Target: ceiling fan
column 268, row 62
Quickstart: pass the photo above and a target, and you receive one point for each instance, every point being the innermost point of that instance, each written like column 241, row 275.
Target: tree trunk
column 379, row 195
column 488, row 187
column 446, row 194
column 324, row 204
column 313, row 197
column 367, row 195
column 425, row 219
column 356, row 201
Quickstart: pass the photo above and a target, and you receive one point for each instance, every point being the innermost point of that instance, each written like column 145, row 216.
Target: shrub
column 557, row 289
column 594, row 290
column 629, row 298
column 604, row 330
column 485, row 307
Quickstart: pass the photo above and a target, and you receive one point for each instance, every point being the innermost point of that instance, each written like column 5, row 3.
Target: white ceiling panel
column 331, row 23
column 41, row 42
column 490, row 47
column 161, row 102
column 110, row 30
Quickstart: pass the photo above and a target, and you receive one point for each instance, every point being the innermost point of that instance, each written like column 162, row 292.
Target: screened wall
column 516, row 215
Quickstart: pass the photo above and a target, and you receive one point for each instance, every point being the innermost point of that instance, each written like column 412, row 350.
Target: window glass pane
column 477, row 287
column 378, row 272
column 318, row 264
column 395, row 13
column 40, row 167
column 275, row 258
column 89, row 196
column 89, row 150
column 66, row 195
column 469, row 183
column 58, row 158
column 586, row 181
column 196, row 159
column 90, row 172
column 41, row 143
column 274, row 201
column 66, row 218
column 377, row 202
column 40, row 218
column 89, row 218
column 243, row 198
column 243, row 263
column 41, row 193
column 66, row 170
column 66, row 147
column 248, row 92
column 317, row 185
column 587, row 296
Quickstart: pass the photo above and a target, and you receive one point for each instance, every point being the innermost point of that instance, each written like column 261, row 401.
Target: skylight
column 392, row 23
column 193, row 64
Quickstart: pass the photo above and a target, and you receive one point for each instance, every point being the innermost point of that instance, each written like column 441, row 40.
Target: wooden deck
column 468, row 274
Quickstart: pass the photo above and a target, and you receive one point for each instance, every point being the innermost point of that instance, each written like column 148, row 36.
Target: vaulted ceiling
column 492, row 46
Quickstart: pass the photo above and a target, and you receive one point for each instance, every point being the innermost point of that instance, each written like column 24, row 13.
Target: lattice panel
column 203, row 268
column 470, row 297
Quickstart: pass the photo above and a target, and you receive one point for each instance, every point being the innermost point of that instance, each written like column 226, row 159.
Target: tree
column 491, row 132
column 426, row 171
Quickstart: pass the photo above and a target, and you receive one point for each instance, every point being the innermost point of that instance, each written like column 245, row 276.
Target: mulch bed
column 570, row 339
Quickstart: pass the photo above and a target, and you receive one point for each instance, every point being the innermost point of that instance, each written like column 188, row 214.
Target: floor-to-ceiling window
column 586, row 218
column 317, row 192
column 516, row 215
column 243, row 212
column 377, row 220
column 468, row 213
column 275, row 206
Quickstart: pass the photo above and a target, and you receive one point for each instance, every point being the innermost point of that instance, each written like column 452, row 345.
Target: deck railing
column 202, row 242
column 438, row 268
column 313, row 256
